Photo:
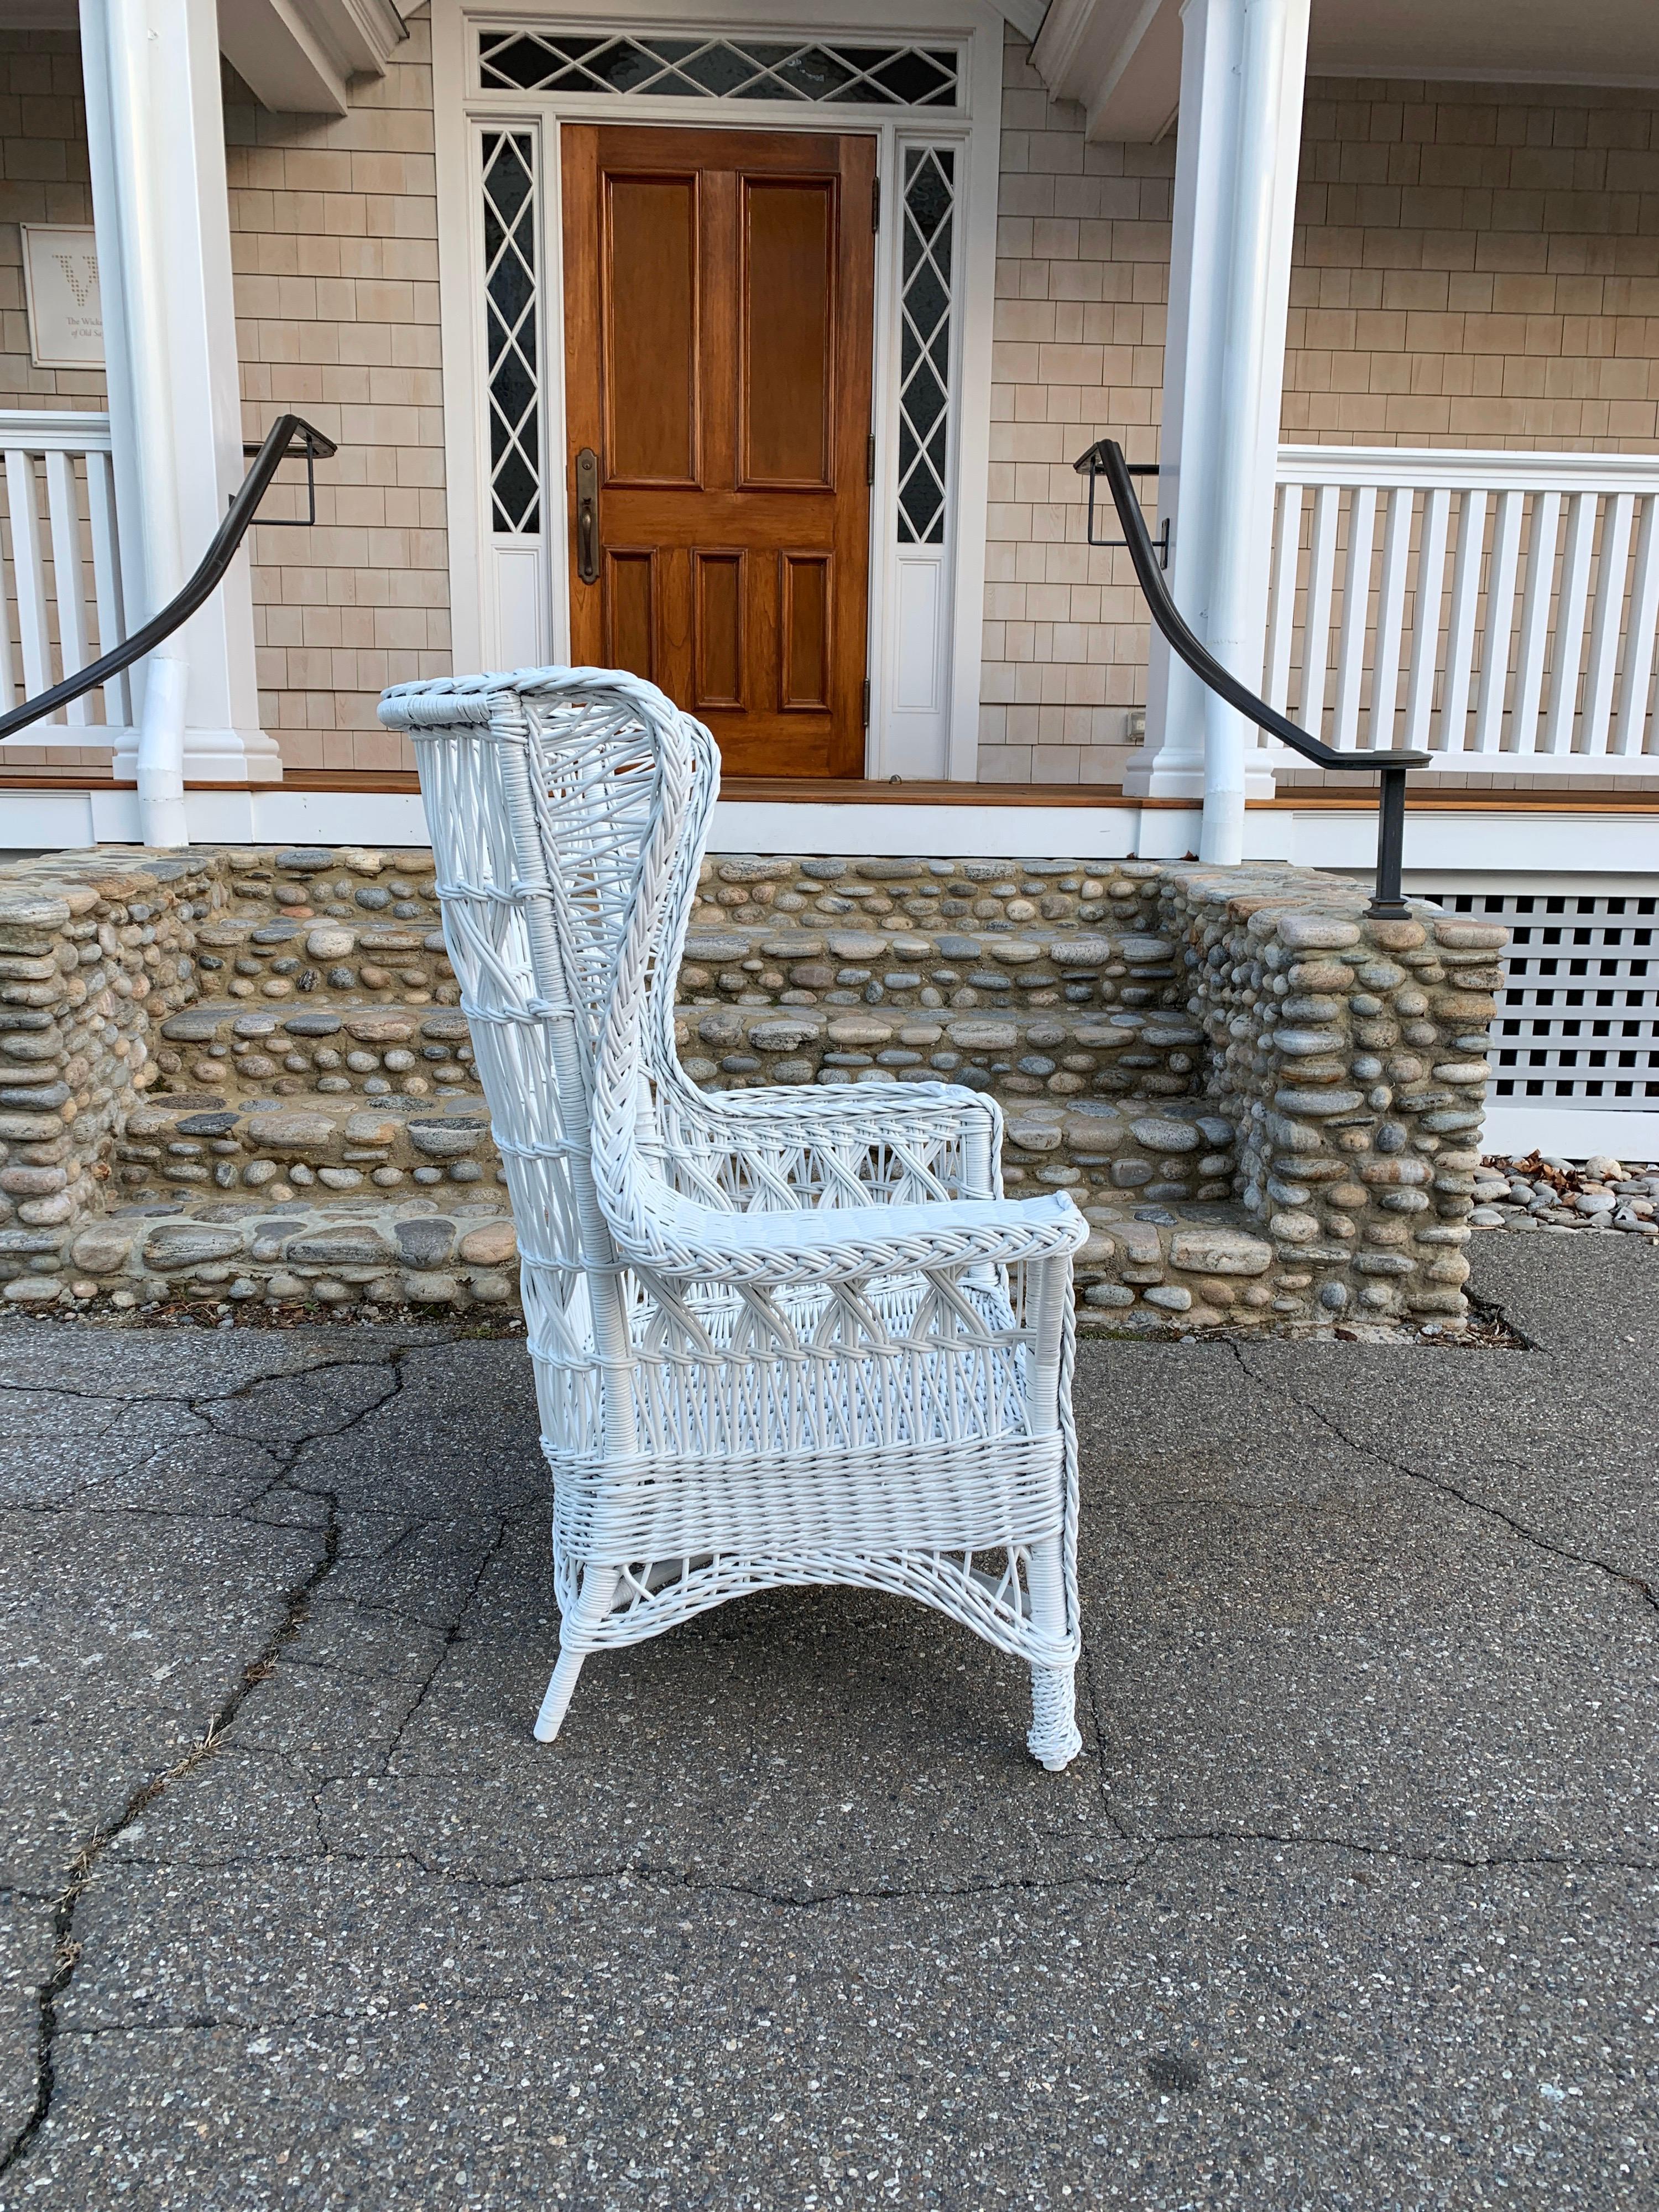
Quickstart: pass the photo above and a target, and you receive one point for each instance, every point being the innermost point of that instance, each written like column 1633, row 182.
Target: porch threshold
column 1515, row 832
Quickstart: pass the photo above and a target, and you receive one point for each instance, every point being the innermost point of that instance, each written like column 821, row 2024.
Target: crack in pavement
column 491, row 1553
column 1092, row 1698
column 1145, row 1849
column 1643, row 1588
column 671, row 1881
column 1406, row 1855
column 193, row 1399
column 1493, row 1312
column 296, row 1606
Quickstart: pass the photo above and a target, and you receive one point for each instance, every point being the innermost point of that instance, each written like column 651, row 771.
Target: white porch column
column 156, row 143
column 1243, row 67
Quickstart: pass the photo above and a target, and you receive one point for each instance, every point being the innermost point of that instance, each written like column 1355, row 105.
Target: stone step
column 1026, row 1052
column 331, row 1048
column 760, row 963
column 1148, row 1267
column 188, row 1141
column 410, row 1248
column 1145, row 1267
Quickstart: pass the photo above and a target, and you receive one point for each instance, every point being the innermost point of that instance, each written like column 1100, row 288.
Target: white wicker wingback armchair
column 780, row 1336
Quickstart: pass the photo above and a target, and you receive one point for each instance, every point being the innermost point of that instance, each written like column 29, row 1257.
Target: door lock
column 587, row 515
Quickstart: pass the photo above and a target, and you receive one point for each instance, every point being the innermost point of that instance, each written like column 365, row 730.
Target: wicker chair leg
column 597, row 1589
column 557, row 1703
column 1054, row 1738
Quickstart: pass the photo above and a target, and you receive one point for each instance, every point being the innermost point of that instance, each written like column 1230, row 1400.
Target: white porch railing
column 1497, row 609
column 61, row 606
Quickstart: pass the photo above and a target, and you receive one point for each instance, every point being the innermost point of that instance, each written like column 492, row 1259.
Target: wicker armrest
column 880, row 1116
column 852, row 1102
column 833, row 1244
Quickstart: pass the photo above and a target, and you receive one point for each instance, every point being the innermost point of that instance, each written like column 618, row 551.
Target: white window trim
column 973, row 129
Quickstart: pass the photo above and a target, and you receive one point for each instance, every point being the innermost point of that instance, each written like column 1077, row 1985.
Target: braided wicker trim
column 986, row 1595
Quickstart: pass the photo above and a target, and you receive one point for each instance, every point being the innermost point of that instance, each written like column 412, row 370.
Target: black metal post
column 1388, row 905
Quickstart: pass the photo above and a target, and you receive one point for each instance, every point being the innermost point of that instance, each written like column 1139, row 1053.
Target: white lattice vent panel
column 1577, row 1019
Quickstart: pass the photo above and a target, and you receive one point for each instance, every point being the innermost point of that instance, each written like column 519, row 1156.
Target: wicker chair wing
column 780, row 1336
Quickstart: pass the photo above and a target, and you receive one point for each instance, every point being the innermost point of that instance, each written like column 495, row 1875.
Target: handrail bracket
column 315, row 448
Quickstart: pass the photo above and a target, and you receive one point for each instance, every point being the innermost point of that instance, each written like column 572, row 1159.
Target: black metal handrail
column 1105, row 457
column 287, row 436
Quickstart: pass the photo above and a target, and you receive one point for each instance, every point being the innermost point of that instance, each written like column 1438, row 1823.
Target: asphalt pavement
column 1352, row 1901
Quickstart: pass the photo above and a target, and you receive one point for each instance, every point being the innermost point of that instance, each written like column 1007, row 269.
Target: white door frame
column 938, row 737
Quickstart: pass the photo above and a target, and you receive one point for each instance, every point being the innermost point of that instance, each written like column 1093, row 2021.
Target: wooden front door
column 718, row 302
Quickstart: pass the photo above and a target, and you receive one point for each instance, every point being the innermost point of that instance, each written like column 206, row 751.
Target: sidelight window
column 925, row 343
column 510, row 345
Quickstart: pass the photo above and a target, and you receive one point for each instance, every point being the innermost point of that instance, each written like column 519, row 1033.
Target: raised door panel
column 628, row 575
column 806, row 630
column 785, row 371
column 650, row 289
column 720, row 626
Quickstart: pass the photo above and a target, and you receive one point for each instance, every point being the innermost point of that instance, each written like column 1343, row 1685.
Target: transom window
column 720, row 68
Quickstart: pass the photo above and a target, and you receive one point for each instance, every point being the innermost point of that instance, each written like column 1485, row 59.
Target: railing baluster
column 1460, row 634
column 1639, row 638
column 69, row 584
column 1568, row 657
column 7, row 673
column 1356, row 612
column 1316, row 628
column 1430, row 590
column 28, row 570
column 1391, row 613
column 1534, row 622
column 1500, row 621
column 1610, row 573
column 107, row 581
column 1281, row 621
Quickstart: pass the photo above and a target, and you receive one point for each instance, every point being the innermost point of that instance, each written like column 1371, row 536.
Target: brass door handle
column 587, row 515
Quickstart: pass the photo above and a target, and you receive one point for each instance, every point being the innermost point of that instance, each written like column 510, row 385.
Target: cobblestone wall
column 90, row 966
column 1348, row 1054
column 245, row 1073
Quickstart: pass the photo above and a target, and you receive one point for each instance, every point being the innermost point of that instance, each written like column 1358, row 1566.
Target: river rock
column 290, row 1133
column 1159, row 1135
column 491, row 1246
column 1208, row 1250
column 188, row 1244
column 426, row 1242
column 446, row 1139
column 358, row 1246
column 101, row 1249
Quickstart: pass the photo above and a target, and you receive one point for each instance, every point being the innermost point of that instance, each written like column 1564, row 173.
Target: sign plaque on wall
column 66, row 311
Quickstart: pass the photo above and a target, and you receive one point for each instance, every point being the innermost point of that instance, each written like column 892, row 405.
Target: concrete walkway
column 1351, row 1901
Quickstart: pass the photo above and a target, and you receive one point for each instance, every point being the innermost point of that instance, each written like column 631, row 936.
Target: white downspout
column 161, row 817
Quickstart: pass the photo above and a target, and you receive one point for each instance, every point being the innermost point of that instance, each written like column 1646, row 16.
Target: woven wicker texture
column 780, row 1336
